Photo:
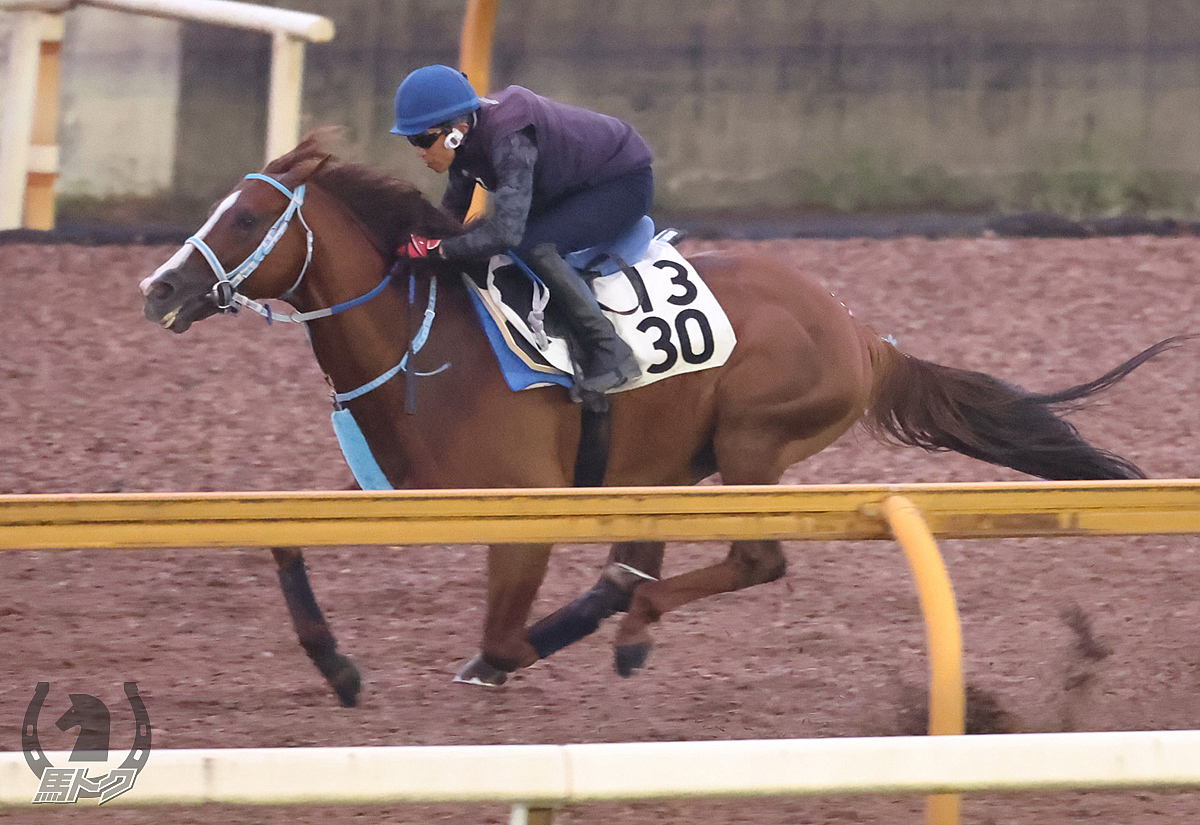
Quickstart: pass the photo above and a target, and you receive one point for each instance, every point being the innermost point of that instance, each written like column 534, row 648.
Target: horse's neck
column 355, row 346
column 345, row 263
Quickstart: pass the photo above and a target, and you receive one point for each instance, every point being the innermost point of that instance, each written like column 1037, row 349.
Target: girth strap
column 595, row 429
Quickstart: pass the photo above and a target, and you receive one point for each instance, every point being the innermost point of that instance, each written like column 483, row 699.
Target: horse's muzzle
column 171, row 305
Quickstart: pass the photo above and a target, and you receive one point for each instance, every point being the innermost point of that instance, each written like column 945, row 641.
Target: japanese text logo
column 91, row 716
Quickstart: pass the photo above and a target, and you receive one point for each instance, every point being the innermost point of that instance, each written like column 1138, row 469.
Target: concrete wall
column 1072, row 105
column 119, row 95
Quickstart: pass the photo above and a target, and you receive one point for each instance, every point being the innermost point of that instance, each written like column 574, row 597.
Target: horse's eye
column 245, row 220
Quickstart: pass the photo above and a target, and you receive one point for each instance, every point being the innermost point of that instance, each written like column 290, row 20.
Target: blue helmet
column 430, row 96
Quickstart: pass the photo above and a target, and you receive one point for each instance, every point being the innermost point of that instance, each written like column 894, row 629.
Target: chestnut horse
column 320, row 233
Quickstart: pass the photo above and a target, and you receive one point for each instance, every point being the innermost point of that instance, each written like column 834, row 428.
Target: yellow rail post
column 475, row 58
column 947, row 693
column 43, row 149
column 475, row 50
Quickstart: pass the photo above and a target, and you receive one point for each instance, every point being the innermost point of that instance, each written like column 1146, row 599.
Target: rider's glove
column 418, row 247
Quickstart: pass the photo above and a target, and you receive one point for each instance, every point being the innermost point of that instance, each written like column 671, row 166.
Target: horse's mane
column 390, row 208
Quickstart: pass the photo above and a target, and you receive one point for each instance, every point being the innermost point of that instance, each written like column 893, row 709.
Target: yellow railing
column 823, row 513
column 911, row 513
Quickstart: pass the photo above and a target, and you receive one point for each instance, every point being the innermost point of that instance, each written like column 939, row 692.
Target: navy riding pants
column 598, row 215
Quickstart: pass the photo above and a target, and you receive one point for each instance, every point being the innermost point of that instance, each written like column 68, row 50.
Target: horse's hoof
column 479, row 672
column 344, row 678
column 632, row 658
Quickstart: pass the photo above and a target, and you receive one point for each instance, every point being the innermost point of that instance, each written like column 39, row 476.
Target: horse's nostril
column 159, row 291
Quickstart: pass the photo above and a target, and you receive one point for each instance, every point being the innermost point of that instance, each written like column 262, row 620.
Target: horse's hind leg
column 630, row 563
column 748, row 563
column 315, row 636
column 756, row 453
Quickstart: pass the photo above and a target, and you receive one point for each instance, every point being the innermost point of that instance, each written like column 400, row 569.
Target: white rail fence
column 548, row 776
column 28, row 136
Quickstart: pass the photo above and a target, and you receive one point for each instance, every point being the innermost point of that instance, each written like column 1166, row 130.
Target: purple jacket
column 576, row 148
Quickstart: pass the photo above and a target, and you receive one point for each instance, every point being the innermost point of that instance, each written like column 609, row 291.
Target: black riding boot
column 604, row 360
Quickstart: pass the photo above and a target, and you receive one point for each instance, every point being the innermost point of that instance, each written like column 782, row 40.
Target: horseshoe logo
column 91, row 716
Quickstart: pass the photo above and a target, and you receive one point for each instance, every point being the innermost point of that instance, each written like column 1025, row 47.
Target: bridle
column 228, row 299
column 224, row 291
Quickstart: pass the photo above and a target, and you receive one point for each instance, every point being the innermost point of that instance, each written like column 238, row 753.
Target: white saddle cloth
column 663, row 310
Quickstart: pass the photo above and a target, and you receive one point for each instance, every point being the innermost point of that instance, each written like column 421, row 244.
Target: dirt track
column 96, row 399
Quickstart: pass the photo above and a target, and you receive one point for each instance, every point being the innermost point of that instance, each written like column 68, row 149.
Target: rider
column 563, row 179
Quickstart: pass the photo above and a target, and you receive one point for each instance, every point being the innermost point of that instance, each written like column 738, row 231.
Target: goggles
column 426, row 139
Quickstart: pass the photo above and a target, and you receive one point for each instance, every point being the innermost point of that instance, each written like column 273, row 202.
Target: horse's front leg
column 315, row 636
column 515, row 572
column 630, row 563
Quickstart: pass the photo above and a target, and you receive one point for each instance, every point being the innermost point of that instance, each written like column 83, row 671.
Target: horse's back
column 798, row 378
column 784, row 317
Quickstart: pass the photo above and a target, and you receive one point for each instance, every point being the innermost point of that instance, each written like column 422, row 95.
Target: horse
column 321, row 234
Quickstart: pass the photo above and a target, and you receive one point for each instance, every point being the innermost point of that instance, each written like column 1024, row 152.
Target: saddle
column 654, row 298
column 603, row 260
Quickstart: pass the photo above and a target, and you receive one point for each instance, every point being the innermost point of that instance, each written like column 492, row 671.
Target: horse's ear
column 313, row 151
column 303, row 170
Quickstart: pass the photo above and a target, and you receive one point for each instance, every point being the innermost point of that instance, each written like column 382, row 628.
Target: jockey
column 563, row 179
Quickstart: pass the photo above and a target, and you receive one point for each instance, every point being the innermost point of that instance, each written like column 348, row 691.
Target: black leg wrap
column 578, row 619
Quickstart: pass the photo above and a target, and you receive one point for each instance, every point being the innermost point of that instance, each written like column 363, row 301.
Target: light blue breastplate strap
column 418, row 341
column 357, row 453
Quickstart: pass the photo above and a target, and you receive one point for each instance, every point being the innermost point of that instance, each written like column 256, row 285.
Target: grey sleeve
column 503, row 229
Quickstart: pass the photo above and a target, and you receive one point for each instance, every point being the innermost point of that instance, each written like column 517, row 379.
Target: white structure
column 29, row 162
column 548, row 776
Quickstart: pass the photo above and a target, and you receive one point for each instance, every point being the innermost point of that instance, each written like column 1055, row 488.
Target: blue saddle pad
column 630, row 248
column 517, row 374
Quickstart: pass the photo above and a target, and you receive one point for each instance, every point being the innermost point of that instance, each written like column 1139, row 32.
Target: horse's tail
column 921, row 404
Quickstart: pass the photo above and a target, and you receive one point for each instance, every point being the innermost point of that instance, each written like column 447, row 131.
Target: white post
column 19, row 99
column 522, row 814
column 283, row 105
column 225, row 13
column 42, row 20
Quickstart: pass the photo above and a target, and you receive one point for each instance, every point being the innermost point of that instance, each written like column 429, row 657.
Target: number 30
column 682, row 330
